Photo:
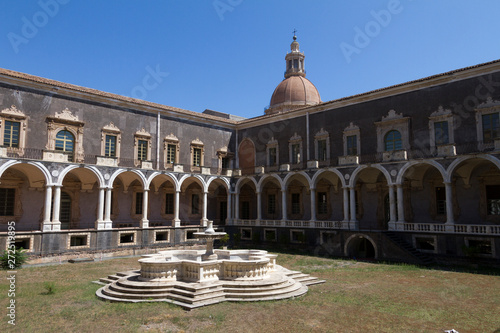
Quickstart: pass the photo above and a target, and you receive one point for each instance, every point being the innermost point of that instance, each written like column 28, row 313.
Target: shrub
column 13, row 259
column 50, row 287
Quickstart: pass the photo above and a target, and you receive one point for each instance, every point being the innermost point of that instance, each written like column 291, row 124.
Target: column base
column 176, row 223
column 449, row 227
column 345, row 224
column 144, row 223
column 204, row 222
column 103, row 225
column 353, row 225
column 391, row 225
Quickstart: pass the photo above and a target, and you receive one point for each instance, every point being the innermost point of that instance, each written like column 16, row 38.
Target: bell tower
column 295, row 60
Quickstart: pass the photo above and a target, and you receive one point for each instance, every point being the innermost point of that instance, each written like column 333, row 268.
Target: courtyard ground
column 357, row 297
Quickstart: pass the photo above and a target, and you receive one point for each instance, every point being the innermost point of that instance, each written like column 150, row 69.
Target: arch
column 246, row 156
column 94, row 170
column 410, row 164
column 452, row 167
column 120, row 171
column 198, row 179
column 224, row 180
column 317, row 175
column 293, row 174
column 243, row 180
column 354, row 241
column 45, row 172
column 266, row 177
column 170, row 176
column 359, row 169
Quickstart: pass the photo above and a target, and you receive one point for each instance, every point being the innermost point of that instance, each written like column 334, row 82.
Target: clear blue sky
column 228, row 55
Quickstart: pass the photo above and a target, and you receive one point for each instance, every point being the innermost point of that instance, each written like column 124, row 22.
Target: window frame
column 12, row 114
column 110, row 130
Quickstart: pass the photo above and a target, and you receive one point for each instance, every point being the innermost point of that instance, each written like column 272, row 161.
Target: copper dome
column 293, row 92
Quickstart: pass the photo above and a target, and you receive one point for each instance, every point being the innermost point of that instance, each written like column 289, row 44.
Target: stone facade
column 416, row 164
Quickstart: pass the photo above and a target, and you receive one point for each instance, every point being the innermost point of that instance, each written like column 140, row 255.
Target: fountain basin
column 189, row 266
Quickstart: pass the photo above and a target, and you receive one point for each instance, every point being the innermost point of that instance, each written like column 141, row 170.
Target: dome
column 293, row 92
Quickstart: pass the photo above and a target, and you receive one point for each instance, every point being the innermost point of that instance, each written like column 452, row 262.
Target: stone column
column 100, row 210
column 401, row 208
column 352, row 200
column 283, row 204
column 47, row 223
column 392, row 209
column 229, row 208
column 259, row 206
column 145, row 221
column 176, row 222
column 204, row 212
column 107, row 209
column 346, row 204
column 237, row 206
column 56, row 224
column 313, row 204
column 449, row 203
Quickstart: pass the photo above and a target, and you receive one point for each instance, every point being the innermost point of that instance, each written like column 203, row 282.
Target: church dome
column 295, row 91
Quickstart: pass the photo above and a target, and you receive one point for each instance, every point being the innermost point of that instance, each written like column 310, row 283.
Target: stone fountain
column 194, row 278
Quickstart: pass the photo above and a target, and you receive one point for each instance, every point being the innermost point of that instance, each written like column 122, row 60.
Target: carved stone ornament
column 392, row 115
column 272, row 142
column 142, row 132
column 322, row 133
column 111, row 128
column 441, row 112
column 197, row 142
column 490, row 102
column 13, row 111
column 295, row 137
column 171, row 137
column 67, row 115
column 351, row 127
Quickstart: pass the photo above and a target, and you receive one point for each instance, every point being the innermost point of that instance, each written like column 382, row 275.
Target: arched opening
column 329, row 197
column 161, row 201
column 271, row 199
column 360, row 247
column 247, row 206
column 65, row 210
column 191, row 201
column 127, row 200
column 246, row 156
column 217, row 200
column 298, row 198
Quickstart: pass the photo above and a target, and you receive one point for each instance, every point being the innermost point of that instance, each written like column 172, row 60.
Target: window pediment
column 13, row 111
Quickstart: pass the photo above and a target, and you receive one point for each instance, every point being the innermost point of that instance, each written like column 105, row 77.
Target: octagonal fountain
column 193, row 278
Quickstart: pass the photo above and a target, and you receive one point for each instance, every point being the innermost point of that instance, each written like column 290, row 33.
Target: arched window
column 393, row 141
column 65, row 141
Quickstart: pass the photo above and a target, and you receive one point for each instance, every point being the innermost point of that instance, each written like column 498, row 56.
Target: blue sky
column 228, row 55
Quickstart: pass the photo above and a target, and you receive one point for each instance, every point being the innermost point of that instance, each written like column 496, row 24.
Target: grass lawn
column 357, row 297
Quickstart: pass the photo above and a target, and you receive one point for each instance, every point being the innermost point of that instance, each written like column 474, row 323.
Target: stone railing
column 448, row 228
column 293, row 223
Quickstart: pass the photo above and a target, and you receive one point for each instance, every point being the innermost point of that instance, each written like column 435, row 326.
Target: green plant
column 224, row 240
column 50, row 287
column 13, row 258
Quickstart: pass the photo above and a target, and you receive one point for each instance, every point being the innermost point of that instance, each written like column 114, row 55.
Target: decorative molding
column 272, row 142
column 197, row 142
column 111, row 128
column 392, row 115
column 13, row 111
column 490, row 102
column 66, row 115
column 322, row 133
column 171, row 137
column 295, row 138
column 441, row 112
column 143, row 132
column 351, row 127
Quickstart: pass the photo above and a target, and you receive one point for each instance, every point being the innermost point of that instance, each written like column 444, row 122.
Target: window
column 225, row 162
column 7, row 200
column 322, row 204
column 493, row 199
column 321, row 150
column 11, row 134
column 352, row 145
column 139, row 196
column 110, row 146
column 65, row 210
column 195, row 204
column 440, row 201
column 65, row 141
column 245, row 210
column 197, row 157
column 272, row 156
column 393, row 141
column 169, row 203
column 271, row 204
column 295, row 153
column 490, row 127
column 295, row 203
column 142, row 150
column 441, row 133
column 171, row 149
